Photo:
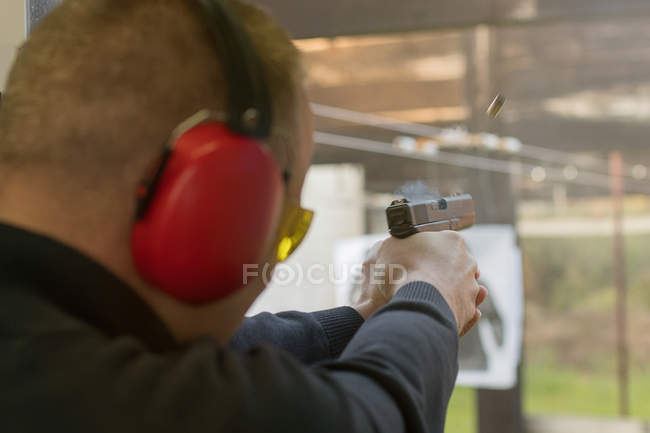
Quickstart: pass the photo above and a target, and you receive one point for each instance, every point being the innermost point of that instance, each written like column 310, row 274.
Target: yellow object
column 295, row 225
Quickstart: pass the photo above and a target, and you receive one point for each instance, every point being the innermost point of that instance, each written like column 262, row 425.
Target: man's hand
column 372, row 296
column 440, row 259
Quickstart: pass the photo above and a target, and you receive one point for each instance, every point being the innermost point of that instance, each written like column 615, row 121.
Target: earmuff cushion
column 214, row 209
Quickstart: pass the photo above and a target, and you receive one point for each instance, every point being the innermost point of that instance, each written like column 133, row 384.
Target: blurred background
column 576, row 75
column 400, row 92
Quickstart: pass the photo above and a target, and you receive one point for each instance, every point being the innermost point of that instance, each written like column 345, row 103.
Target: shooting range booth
column 543, row 55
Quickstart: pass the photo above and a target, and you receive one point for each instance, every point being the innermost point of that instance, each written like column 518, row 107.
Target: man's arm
column 318, row 336
column 310, row 337
column 396, row 375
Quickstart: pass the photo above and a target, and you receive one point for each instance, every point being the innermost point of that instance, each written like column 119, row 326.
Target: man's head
column 94, row 94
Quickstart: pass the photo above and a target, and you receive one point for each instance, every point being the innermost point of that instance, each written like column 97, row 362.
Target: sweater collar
column 79, row 286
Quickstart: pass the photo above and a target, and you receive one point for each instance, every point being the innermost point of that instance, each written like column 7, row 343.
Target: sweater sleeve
column 309, row 337
column 395, row 376
column 410, row 347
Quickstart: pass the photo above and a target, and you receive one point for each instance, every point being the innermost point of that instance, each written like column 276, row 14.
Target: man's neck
column 218, row 319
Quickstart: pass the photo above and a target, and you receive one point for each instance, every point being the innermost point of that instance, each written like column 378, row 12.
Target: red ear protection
column 211, row 204
column 207, row 210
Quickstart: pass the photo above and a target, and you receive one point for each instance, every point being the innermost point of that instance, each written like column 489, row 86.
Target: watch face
column 37, row 9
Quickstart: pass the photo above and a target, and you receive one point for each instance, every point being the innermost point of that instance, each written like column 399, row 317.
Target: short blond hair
column 100, row 83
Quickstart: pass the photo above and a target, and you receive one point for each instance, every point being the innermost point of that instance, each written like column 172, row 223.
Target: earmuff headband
column 148, row 185
column 248, row 102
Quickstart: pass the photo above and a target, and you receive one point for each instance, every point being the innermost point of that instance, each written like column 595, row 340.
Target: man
column 88, row 345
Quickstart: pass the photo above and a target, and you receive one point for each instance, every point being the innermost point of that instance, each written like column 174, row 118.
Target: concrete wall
column 562, row 424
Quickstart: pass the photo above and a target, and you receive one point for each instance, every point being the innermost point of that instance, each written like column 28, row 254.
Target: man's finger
column 468, row 327
column 482, row 294
column 371, row 254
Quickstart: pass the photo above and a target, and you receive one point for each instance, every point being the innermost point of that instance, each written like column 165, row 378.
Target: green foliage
column 640, row 289
column 560, row 273
column 550, row 390
column 461, row 416
column 570, row 351
column 553, row 390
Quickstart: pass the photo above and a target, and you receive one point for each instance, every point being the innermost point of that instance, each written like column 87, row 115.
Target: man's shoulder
column 26, row 313
column 60, row 373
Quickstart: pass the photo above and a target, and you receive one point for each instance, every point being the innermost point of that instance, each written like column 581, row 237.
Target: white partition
column 336, row 194
column 12, row 34
column 489, row 354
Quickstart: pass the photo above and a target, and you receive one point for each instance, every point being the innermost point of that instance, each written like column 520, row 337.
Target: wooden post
column 620, row 280
column 499, row 411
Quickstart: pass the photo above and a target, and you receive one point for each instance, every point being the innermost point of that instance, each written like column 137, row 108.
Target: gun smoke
column 417, row 191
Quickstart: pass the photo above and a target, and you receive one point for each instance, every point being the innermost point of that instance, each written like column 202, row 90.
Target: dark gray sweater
column 79, row 352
